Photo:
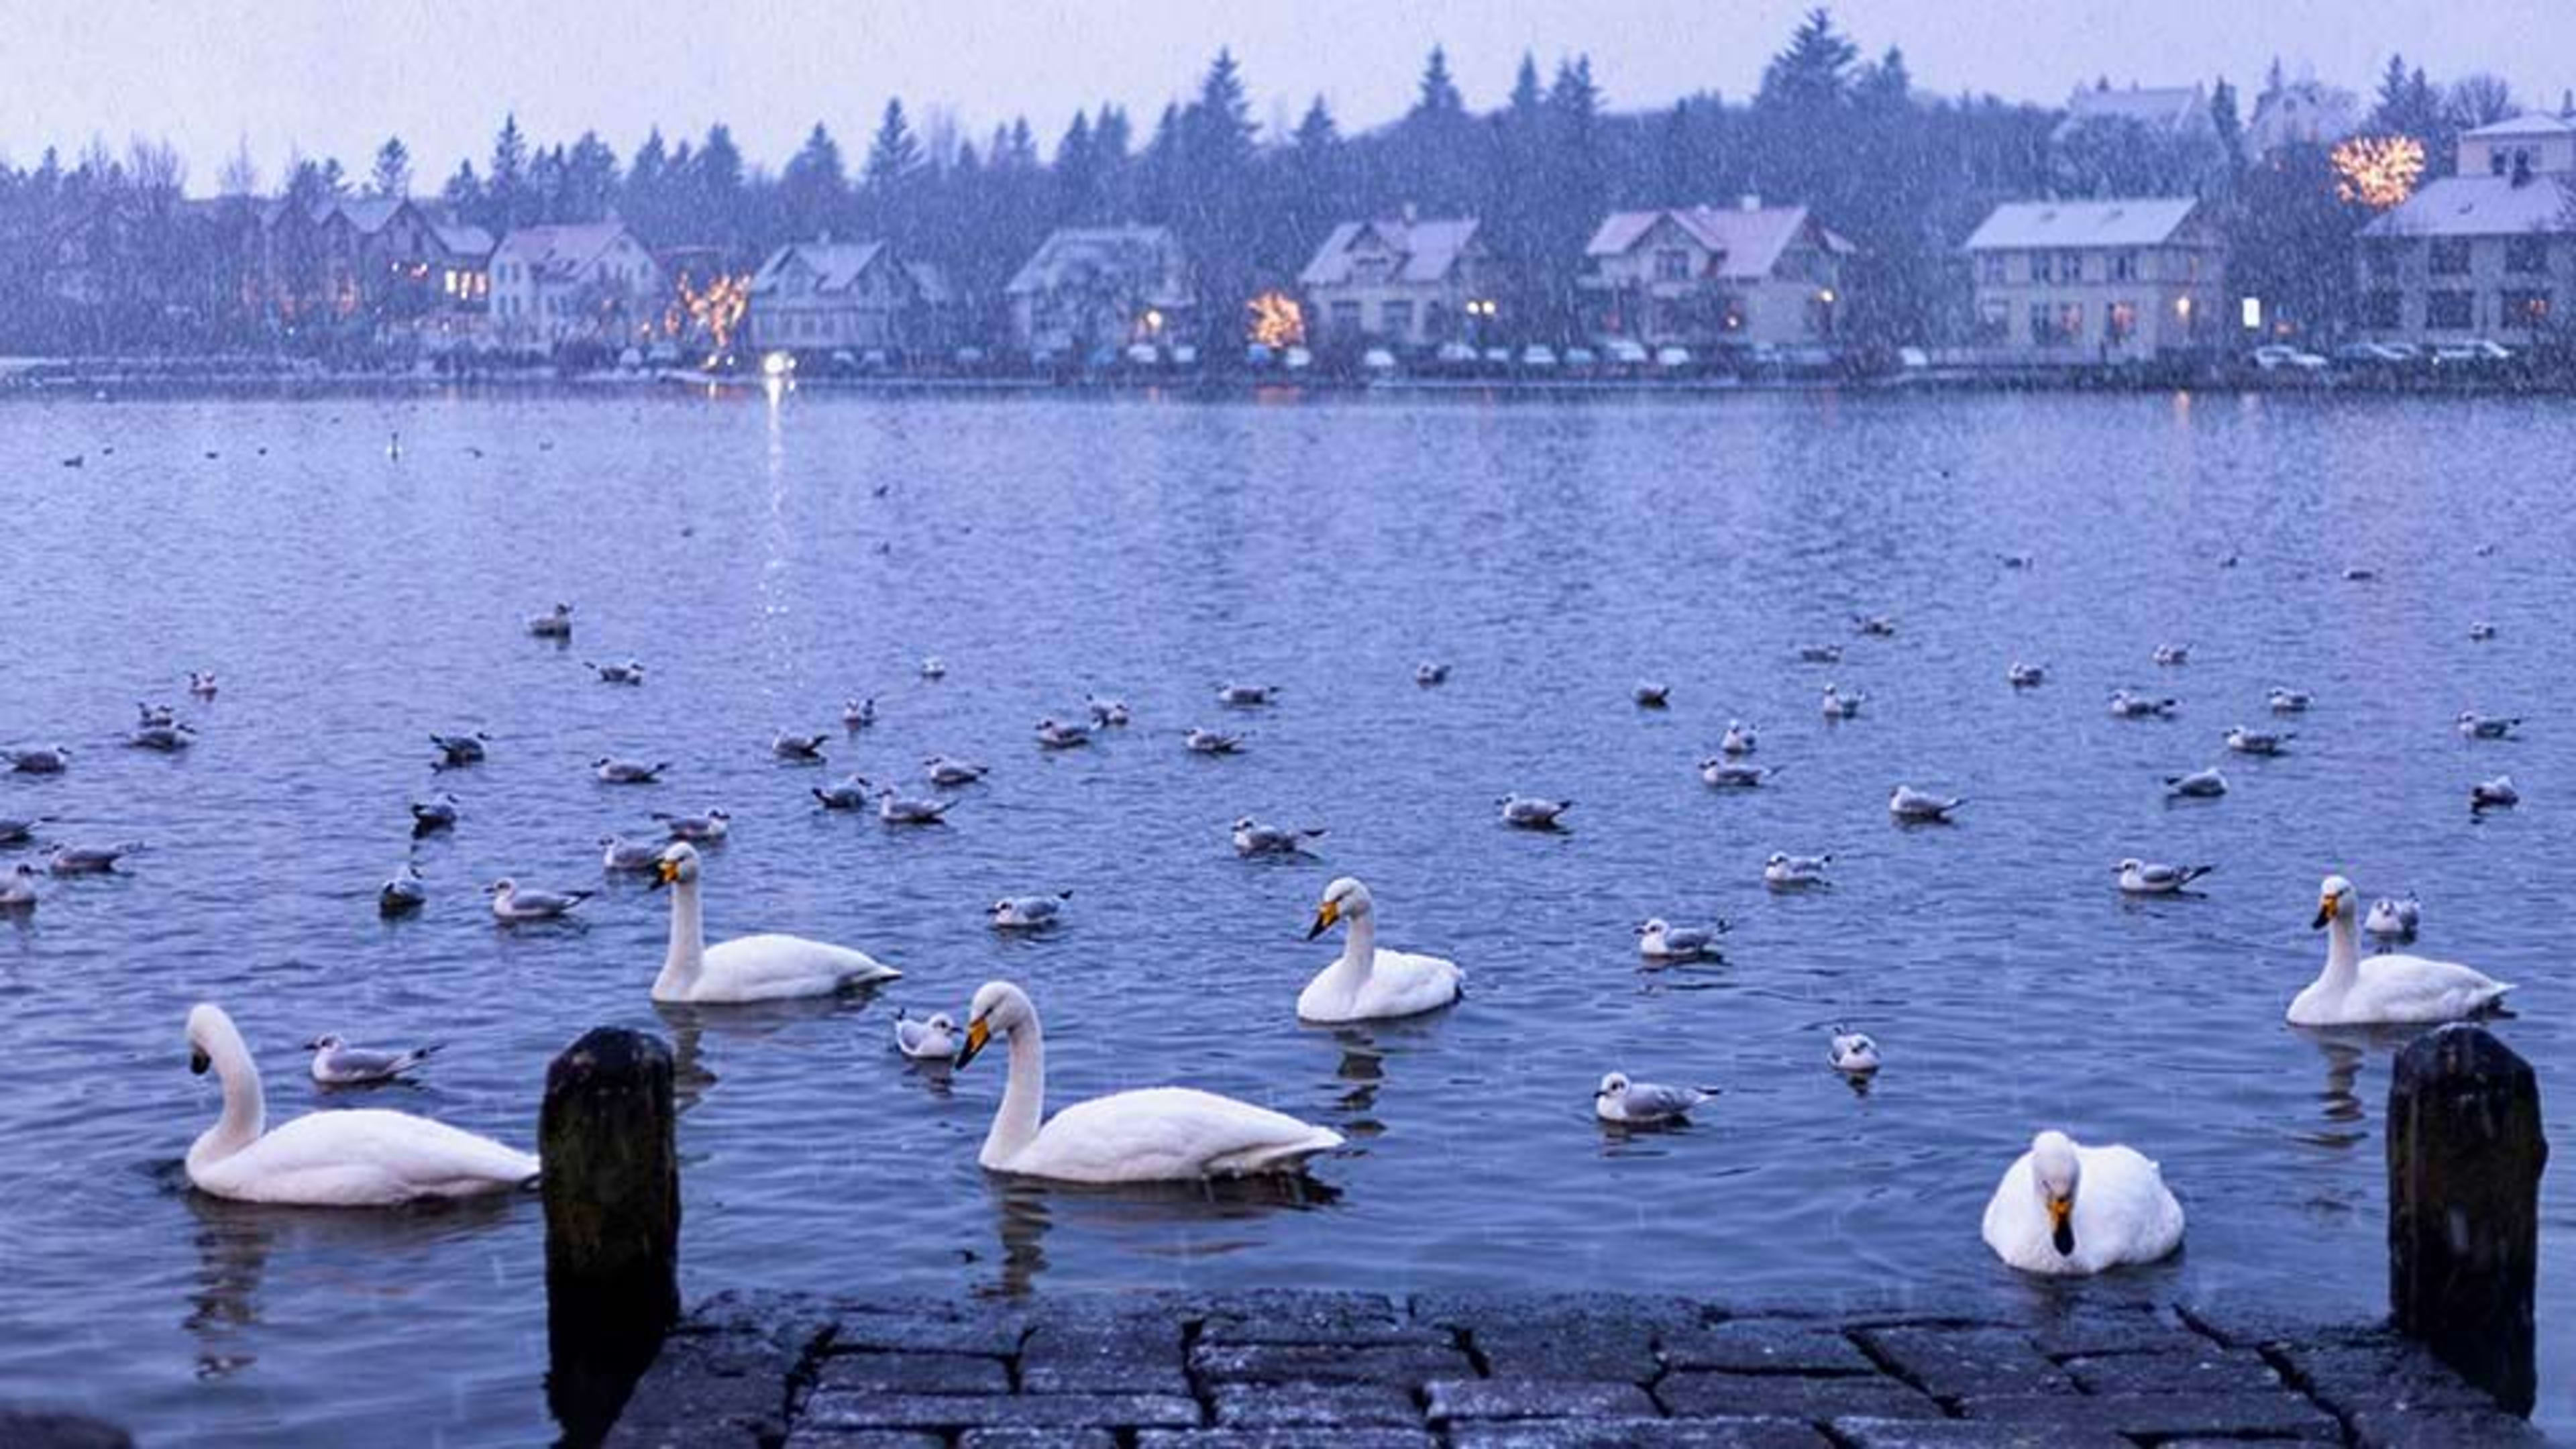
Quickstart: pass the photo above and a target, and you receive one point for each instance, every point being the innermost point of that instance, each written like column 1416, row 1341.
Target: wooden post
column 611, row 1182
column 2465, row 1153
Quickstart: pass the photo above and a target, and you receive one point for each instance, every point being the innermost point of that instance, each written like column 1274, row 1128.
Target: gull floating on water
column 933, row 667
column 428, row 817
column 40, row 760
column 18, row 888
column 1741, row 739
column 895, row 809
column 1251, row 837
column 511, row 904
column 1211, row 742
column 925, row 1039
column 1661, row 940
column 1246, row 695
column 90, row 859
column 1106, row 713
column 2481, row 631
column 2495, row 794
column 1875, row 625
column 1643, row 1104
column 1724, row 774
column 168, row 739
column 154, row 716
column 13, row 831
column 1790, row 872
column 1428, row 673
column 2476, row 726
column 858, row 714
column 630, row 672
column 2173, row 654
column 1028, row 913
column 1820, row 654
column 459, row 750
column 338, row 1064
column 1062, row 735
column 714, row 825
column 1532, row 812
column 850, row 794
column 947, row 771
column 2393, row 922
column 616, row 770
column 2285, row 700
column 2198, row 785
column 622, row 856
column 2150, row 878
column 803, row 749
column 202, row 684
column 1853, row 1053
column 1839, row 705
column 1652, row 694
column 404, row 894
column 2125, row 705
column 2258, row 742
column 2025, row 676
column 555, row 623
column 1922, row 807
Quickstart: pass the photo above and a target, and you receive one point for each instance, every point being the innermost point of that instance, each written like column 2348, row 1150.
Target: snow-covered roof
column 835, row 265
column 2512, row 126
column 1425, row 251
column 1748, row 241
column 2481, row 206
column 2302, row 110
column 1149, row 255
column 2127, row 222
column 464, row 241
column 559, row 251
column 369, row 214
column 2165, row 108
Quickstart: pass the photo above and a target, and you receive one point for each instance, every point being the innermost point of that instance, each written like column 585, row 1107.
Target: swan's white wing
column 774, row 967
column 2414, row 988
column 1164, row 1134
column 2123, row 1212
column 366, row 1157
column 1399, row 983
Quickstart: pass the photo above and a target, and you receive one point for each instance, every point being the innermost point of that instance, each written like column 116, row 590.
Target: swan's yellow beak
column 1325, row 915
column 978, row 1032
column 2061, row 1224
column 198, row 1061
column 664, row 872
column 2325, row 913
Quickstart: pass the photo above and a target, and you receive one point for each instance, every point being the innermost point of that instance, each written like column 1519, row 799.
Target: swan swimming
column 1158, row 1134
column 747, row 968
column 2354, row 990
column 2070, row 1211
column 1366, row 983
column 364, row 1158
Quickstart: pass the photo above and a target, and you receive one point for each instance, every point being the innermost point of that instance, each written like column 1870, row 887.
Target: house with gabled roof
column 2489, row 252
column 827, row 296
column 2088, row 282
column 386, row 261
column 1400, row 282
column 1088, row 288
column 2170, row 112
column 592, row 282
column 1737, row 276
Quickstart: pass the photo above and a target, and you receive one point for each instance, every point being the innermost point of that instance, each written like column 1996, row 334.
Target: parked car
column 1377, row 360
column 1498, row 356
column 2476, row 352
column 1456, row 356
column 1673, row 359
column 1259, row 356
column 1626, row 353
column 1582, row 359
column 1538, row 356
column 1142, row 354
column 1185, row 354
column 2371, row 354
column 1298, row 359
column 2281, row 356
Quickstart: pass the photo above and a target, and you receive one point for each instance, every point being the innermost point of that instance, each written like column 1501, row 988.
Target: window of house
column 1396, row 318
column 2043, row 325
column 1994, row 322
column 2495, row 162
column 2381, row 257
column 2450, row 256
column 2070, row 320
column 2119, row 321
column 2451, row 310
column 2039, row 266
column 1672, row 264
column 2526, row 255
column 2070, row 266
column 2124, row 266
column 2383, row 310
column 1990, row 267
column 1346, row 316
column 1435, row 320
column 2525, row 307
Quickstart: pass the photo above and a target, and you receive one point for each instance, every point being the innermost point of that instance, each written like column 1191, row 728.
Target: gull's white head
column 999, row 1008
column 678, row 866
column 1613, row 1087
column 2335, row 898
column 941, row 1022
column 2128, row 864
column 329, row 1041
column 1344, row 898
column 2055, row 1173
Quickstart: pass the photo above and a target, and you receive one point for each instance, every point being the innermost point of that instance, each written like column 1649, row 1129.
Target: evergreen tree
column 392, row 174
column 813, row 191
column 590, row 180
column 505, row 188
column 463, row 193
column 1077, row 174
column 1814, row 73
column 894, row 157
column 2223, row 117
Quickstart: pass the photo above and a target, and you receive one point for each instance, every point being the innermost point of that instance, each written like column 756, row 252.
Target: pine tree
column 392, row 174
column 505, row 189
column 813, row 190
column 590, row 180
column 2229, row 124
column 893, row 157
column 1814, row 73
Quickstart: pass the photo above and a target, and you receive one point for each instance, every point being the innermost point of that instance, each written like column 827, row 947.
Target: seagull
column 2125, row 705
column 1853, row 1053
column 858, row 714
column 630, row 672
column 2173, row 654
column 1740, row 739
column 1065, row 735
column 2476, row 726
column 803, row 749
column 1106, row 713
column 338, row 1064
column 1027, row 913
column 2025, row 676
column 1211, row 742
column 2198, row 785
column 553, row 624
column 511, row 904
column 1640, row 1104
column 1839, row 705
column 925, row 1039
column 455, row 751
column 1251, row 837
column 1820, row 654
column 849, row 794
column 201, row 684
column 1790, row 872
column 2481, row 631
column 2148, row 878
column 1916, row 807
column 2285, row 700
column 90, row 859
column 2357, row 574
column 1652, row 694
column 2017, row 560
column 1875, row 625
column 154, row 716
column 703, row 829
column 1428, row 673
column 2393, row 922
column 933, row 667
column 2495, row 794
column 39, row 761
column 13, row 831
column 622, row 856
column 896, row 809
column 1660, row 940
column 1531, row 812
column 1725, row 774
column 947, row 771
column 1243, row 696
column 18, row 888
column 2258, row 742
column 615, row 770
column 428, row 817
column 168, row 739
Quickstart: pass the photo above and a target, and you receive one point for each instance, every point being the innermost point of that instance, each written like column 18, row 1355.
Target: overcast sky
column 335, row 77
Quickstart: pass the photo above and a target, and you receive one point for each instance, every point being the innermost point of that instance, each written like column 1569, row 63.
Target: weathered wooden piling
column 611, row 1184
column 2465, row 1154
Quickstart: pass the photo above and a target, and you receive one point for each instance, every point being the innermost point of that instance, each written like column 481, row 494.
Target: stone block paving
column 1312, row 1370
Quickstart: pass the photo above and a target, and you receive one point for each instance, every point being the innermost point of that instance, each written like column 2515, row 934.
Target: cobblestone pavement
column 1355, row 1371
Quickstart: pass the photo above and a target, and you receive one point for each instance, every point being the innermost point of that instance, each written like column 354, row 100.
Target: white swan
column 747, row 968
column 2070, row 1211
column 1159, row 1134
column 363, row 1158
column 2354, row 990
column 1365, row 983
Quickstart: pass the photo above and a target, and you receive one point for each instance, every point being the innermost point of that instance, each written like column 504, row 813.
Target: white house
column 1717, row 276
column 1092, row 287
column 827, row 295
column 588, row 283
column 1402, row 281
column 2175, row 112
column 2489, row 252
column 2078, row 282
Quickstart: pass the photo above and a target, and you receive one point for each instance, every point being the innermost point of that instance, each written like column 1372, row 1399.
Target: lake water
column 766, row 557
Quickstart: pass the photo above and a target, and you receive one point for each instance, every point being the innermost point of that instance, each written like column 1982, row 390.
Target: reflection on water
column 1187, row 1221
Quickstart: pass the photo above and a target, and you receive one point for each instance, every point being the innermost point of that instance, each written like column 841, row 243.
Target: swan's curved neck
column 688, row 951
column 2343, row 952
column 1359, row 946
column 245, row 1105
column 1023, row 1109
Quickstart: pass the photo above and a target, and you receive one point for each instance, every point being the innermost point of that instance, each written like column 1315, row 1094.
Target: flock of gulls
column 2060, row 1208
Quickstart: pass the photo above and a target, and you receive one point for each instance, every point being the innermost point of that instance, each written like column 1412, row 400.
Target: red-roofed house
column 589, row 283
column 1403, row 282
column 1703, row 275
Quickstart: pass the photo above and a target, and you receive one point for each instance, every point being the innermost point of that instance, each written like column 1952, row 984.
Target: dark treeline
column 1904, row 174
